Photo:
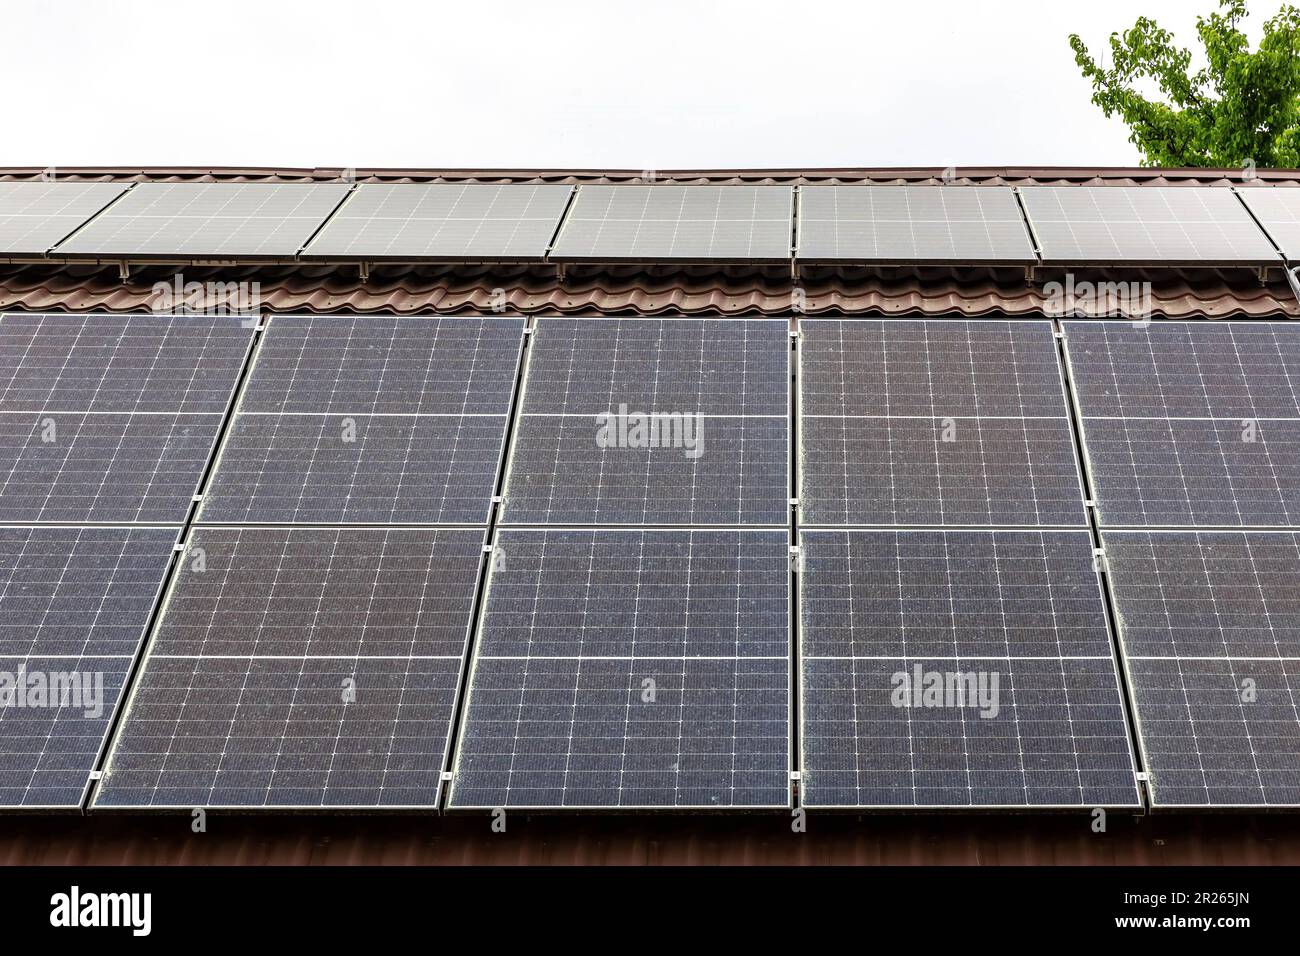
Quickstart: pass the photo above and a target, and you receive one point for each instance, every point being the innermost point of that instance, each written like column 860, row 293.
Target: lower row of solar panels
column 342, row 611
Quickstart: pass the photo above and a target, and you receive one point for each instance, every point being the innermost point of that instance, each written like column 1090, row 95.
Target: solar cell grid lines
column 208, row 220
column 74, row 605
column 104, row 363
column 35, row 216
column 630, row 668
column 958, row 669
column 443, row 221
column 934, row 422
column 1082, row 225
column 385, row 364
column 1278, row 211
column 358, row 419
column 1210, row 625
column 972, row 224
column 301, row 667
column 666, row 221
column 1190, row 424
column 653, row 422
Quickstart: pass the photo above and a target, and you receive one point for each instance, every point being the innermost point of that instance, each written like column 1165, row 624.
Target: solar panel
column 443, row 221
column 1278, row 211
column 958, row 669
column 208, row 220
column 420, row 469
column 34, row 216
column 1190, row 423
column 74, row 605
column 1210, row 624
column 76, row 467
column 301, row 667
column 970, row 224
column 1078, row 225
column 653, row 422
column 354, row 419
column 109, row 363
column 934, row 422
column 633, row 668
column 665, row 221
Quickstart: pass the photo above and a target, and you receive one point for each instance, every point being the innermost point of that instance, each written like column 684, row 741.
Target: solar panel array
column 945, row 667
column 622, row 663
column 443, row 221
column 1078, row 225
column 310, row 651
column 208, row 220
column 666, row 221
column 36, row 216
column 106, row 426
column 1191, row 431
column 965, row 224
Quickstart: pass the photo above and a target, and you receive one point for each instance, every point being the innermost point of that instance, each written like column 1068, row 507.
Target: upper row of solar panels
column 877, row 224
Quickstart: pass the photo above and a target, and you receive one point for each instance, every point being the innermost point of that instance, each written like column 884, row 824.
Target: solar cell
column 953, row 669
column 301, row 667
column 443, row 221
column 653, row 422
column 941, row 422
column 202, row 220
column 1278, row 211
column 1189, row 423
column 1210, row 625
column 971, row 224
column 1078, row 225
column 35, row 216
column 75, row 467
column 110, row 363
column 666, row 221
column 634, row 668
column 74, row 605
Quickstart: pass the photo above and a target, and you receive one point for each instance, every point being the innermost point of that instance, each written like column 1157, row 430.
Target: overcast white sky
column 572, row 83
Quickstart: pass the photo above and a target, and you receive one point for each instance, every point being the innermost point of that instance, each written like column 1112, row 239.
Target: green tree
column 1241, row 107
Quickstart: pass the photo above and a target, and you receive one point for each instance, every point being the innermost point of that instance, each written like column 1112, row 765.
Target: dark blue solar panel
column 301, row 667
column 710, row 366
column 1186, row 369
column 68, row 466
column 1171, row 471
column 426, row 469
column 1210, row 623
column 631, row 669
column 726, row 471
column 924, row 471
column 74, row 605
column 120, row 363
column 950, row 669
column 386, row 364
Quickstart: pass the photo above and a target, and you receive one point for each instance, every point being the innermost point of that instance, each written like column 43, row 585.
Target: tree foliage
column 1241, row 107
